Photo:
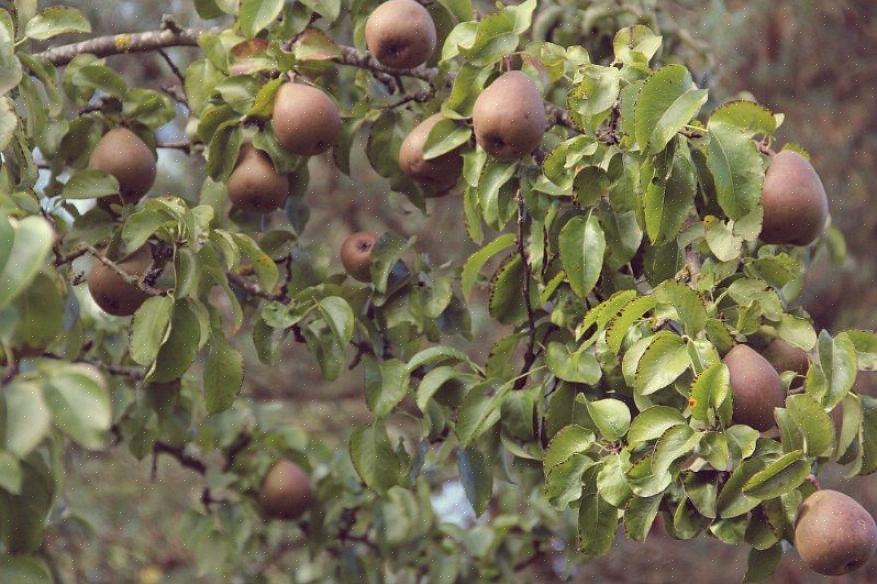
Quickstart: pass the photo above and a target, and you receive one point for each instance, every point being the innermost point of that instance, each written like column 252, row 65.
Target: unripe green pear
column 509, row 117
column 756, row 388
column 794, row 201
column 834, row 534
column 286, row 491
column 400, row 34
column 124, row 155
column 112, row 293
column 305, row 119
column 440, row 173
column 254, row 185
column 356, row 255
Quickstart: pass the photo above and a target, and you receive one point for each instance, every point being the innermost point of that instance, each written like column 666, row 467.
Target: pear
column 756, row 388
column 787, row 357
column 509, row 117
column 286, row 491
column 400, row 34
column 439, row 173
column 254, row 185
column 834, row 534
column 121, row 153
column 305, row 119
column 356, row 255
column 113, row 294
column 794, row 201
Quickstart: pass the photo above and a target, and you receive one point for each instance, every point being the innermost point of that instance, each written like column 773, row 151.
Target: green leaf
column 80, row 403
column 476, row 261
column 598, row 522
column 815, row 425
column 256, row 15
column 28, row 418
column 669, row 193
column 476, row 476
column 433, row 381
column 479, row 411
column 688, row 304
column 652, row 423
column 446, row 136
column 386, row 252
column 24, row 570
column 838, row 360
column 178, row 352
column 263, row 265
column 150, row 328
column 737, row 169
column 571, row 365
column 436, row 354
column 779, row 477
column 611, row 416
column 636, row 44
column 223, row 150
column 662, row 363
column 34, row 238
column 639, row 515
column 90, row 184
column 223, row 374
column 10, row 473
column 339, row 316
column 582, row 245
column 709, row 390
column 568, row 441
column 761, row 564
column 8, row 122
column 54, row 21
column 373, row 457
column 328, row 9
column 666, row 103
column 620, row 326
column 506, row 302
column 745, row 115
column 386, row 384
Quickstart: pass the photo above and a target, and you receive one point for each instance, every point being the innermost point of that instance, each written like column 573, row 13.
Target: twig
column 252, row 288
column 186, row 460
column 173, row 67
column 135, row 373
column 126, row 277
column 530, row 355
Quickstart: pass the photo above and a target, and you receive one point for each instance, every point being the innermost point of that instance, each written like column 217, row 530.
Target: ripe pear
column 787, row 357
column 124, row 155
column 834, row 534
column 306, row 120
column 439, row 173
column 756, row 388
column 254, row 185
column 286, row 491
column 794, row 201
column 509, row 117
column 113, row 294
column 356, row 255
column 400, row 34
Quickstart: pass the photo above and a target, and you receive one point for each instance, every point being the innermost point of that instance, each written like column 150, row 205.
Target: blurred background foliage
column 811, row 59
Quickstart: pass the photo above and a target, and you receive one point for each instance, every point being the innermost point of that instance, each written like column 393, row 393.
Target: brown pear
column 794, row 201
column 356, row 255
column 306, row 120
column 834, row 534
column 400, row 34
column 254, row 185
column 787, row 357
column 756, row 388
column 113, row 294
column 509, row 117
column 440, row 173
column 124, row 155
column 286, row 491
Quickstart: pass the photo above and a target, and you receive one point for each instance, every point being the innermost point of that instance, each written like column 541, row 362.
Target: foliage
column 623, row 256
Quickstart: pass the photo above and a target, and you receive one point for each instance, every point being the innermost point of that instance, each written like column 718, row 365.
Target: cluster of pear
column 834, row 534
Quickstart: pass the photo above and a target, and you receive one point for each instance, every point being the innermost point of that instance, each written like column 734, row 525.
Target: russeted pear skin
column 787, row 357
column 400, row 34
column 439, row 173
column 286, row 491
column 756, row 388
column 113, row 294
column 356, row 255
column 306, row 120
column 794, row 201
column 254, row 185
column 121, row 153
column 834, row 534
column 509, row 117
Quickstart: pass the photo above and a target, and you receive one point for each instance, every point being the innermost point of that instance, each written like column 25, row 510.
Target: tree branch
column 530, row 355
column 186, row 460
column 126, row 277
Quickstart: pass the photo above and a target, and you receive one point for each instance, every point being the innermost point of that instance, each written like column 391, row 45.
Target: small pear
column 113, row 294
column 305, row 119
column 834, row 534
column 509, row 117
column 400, row 34
column 356, row 255
column 794, row 201
column 439, row 173
column 286, row 491
column 756, row 388
column 787, row 357
column 254, row 185
column 124, row 155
